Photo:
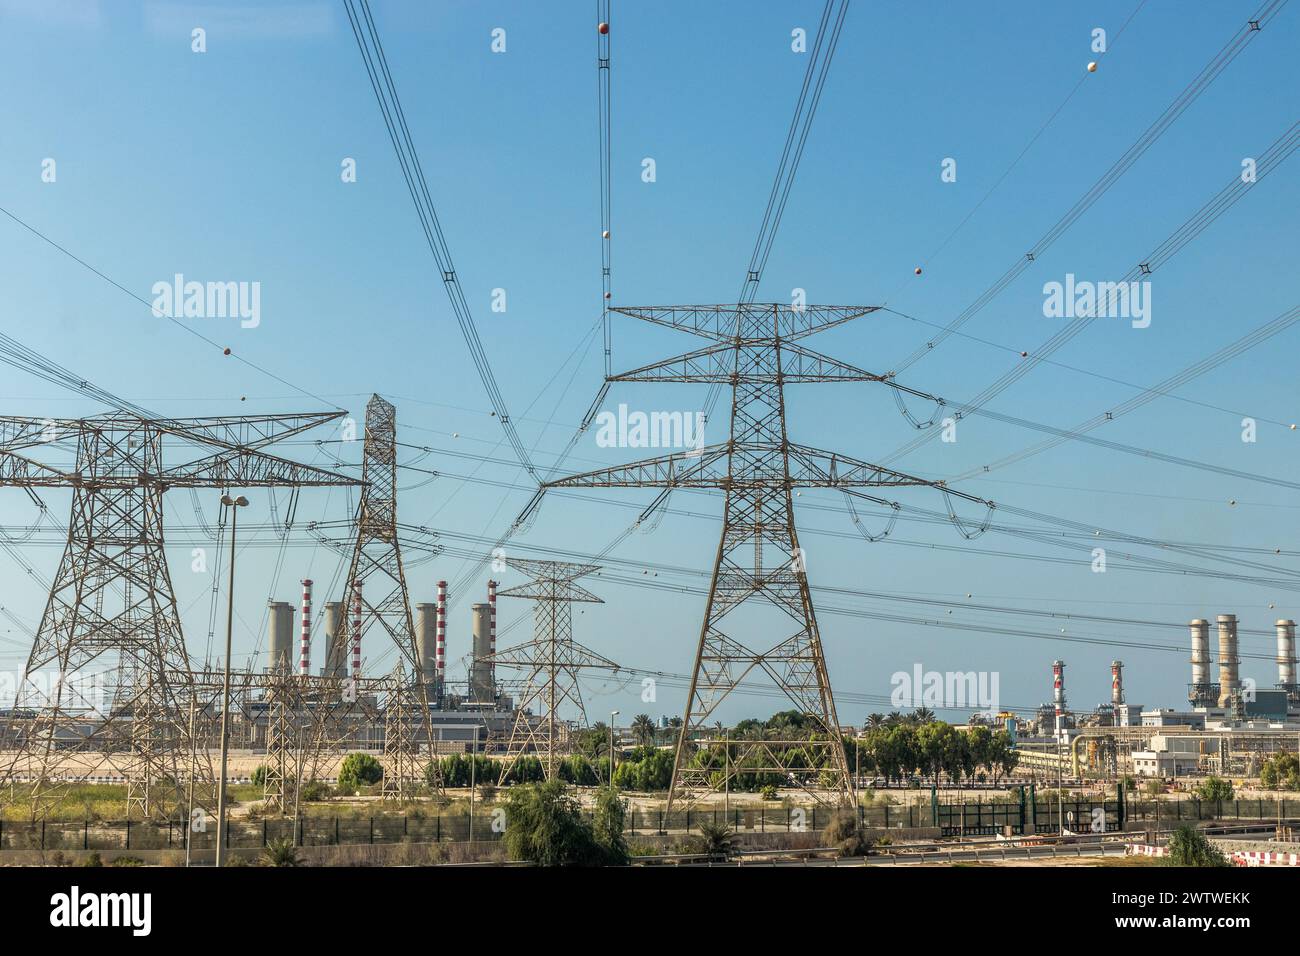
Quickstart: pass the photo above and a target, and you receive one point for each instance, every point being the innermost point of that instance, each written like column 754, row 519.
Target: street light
column 234, row 504
column 612, row 715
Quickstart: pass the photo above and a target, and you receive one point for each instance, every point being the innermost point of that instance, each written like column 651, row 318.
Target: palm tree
column 894, row 719
column 718, row 839
column 643, row 730
column 874, row 720
column 923, row 715
column 280, row 853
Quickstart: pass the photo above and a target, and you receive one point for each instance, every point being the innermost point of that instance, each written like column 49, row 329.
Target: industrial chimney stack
column 1058, row 692
column 1117, row 683
column 441, row 646
column 1201, row 692
column 304, row 651
column 1229, row 679
column 356, row 630
column 1286, row 658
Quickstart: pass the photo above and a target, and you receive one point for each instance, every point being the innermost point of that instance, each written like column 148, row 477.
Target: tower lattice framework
column 110, row 635
column 377, row 579
column 552, row 660
column 754, row 348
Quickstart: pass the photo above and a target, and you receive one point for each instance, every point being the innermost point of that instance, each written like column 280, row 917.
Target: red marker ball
column 1024, row 355
column 225, row 351
column 603, row 28
column 918, row 270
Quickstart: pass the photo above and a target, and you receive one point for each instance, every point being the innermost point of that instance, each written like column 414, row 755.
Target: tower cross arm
column 245, row 468
column 17, row 471
column 815, row 468
column 254, row 431
column 552, row 591
column 705, row 468
column 750, row 321
column 717, row 364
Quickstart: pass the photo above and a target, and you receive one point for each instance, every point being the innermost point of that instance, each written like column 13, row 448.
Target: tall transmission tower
column 110, row 633
column 553, row 659
column 376, row 590
column 759, row 562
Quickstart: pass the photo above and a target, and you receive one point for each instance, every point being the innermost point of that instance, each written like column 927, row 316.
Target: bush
column 1215, row 789
column 718, row 839
column 1190, row 847
column 359, row 770
column 844, row 834
column 127, row 861
column 280, row 852
column 608, row 817
column 545, row 826
column 259, row 776
column 93, row 860
column 768, row 792
column 315, row 790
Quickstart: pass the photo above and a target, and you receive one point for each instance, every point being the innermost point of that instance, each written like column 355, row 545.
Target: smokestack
column 335, row 654
column 356, row 629
column 425, row 629
column 492, row 632
column 281, row 637
column 304, row 658
column 441, row 651
column 1200, row 689
column 1286, row 654
column 1117, row 683
column 1229, row 681
column 480, row 681
column 1058, row 691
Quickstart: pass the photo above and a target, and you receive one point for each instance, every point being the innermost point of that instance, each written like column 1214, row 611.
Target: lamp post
column 234, row 504
column 612, row 715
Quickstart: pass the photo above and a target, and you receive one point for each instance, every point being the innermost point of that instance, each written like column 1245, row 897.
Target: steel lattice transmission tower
column 377, row 582
column 552, row 658
column 112, row 610
column 759, row 562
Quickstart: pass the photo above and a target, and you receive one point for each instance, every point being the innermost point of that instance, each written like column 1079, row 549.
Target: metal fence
column 969, row 818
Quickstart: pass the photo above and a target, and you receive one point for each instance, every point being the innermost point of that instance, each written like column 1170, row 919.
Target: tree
column 873, row 721
column 359, row 770
column 607, row 820
column 1215, row 790
column 719, row 839
column 922, row 715
column 1280, row 772
column 979, row 746
column 1190, row 847
column 643, row 729
column 544, row 825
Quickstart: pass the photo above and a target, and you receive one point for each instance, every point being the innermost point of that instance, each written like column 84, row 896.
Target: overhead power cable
column 390, row 107
column 1189, row 94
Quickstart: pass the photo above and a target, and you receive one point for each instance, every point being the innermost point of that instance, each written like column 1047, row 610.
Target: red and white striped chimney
column 304, row 658
column 492, row 628
column 440, row 641
column 356, row 629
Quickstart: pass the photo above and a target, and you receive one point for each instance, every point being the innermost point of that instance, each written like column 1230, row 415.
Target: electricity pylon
column 553, row 659
column 376, row 582
column 758, row 559
column 111, row 603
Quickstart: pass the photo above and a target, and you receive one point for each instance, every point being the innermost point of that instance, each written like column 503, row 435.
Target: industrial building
column 1229, row 727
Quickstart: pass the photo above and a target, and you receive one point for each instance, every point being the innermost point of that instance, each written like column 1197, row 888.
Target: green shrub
column 1190, row 847
column 545, row 826
column 359, row 770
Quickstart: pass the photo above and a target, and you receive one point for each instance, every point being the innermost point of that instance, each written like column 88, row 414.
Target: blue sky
column 225, row 165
